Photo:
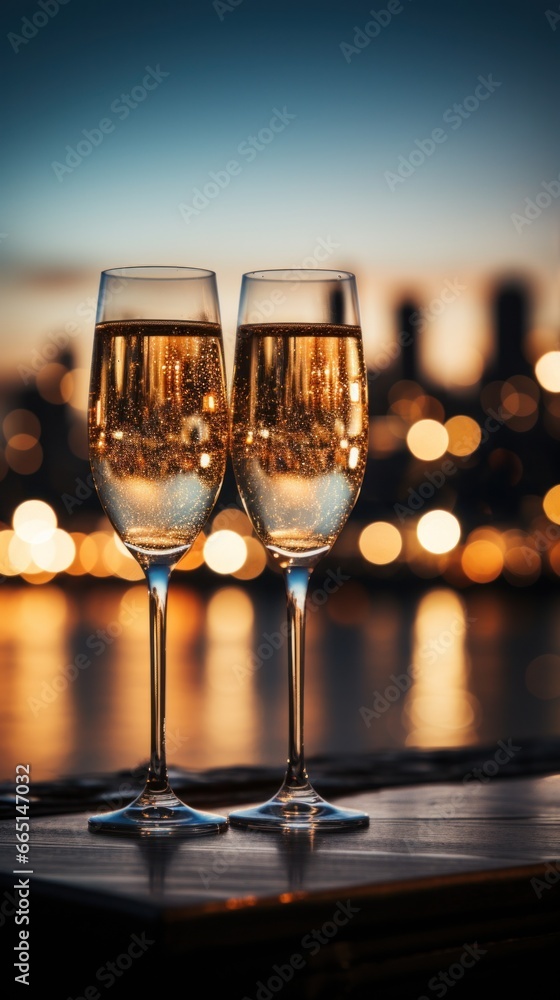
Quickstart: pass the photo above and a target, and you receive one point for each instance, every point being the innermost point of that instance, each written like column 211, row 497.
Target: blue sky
column 323, row 174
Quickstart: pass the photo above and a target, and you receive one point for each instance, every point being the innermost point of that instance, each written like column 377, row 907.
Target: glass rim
column 292, row 273
column 149, row 272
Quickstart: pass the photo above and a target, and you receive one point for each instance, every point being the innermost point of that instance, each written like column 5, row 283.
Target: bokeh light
column 255, row 561
column 24, row 462
column 92, row 553
column 553, row 558
column 427, row 439
column 19, row 554
column 74, row 388
column 482, row 561
column 49, row 383
column 34, row 521
column 76, row 568
column 522, row 563
column 464, row 435
column 225, row 551
column 55, row 553
column 380, row 543
column 21, row 422
column 6, row 566
column 194, row 557
column 520, row 401
column 547, row 371
column 551, row 504
column 438, row 531
column 232, row 519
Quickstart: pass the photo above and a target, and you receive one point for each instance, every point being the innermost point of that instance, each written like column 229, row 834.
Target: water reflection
column 74, row 672
column 37, row 674
column 440, row 711
column 125, row 723
column 229, row 709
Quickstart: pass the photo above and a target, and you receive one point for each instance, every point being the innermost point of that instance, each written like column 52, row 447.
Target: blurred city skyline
column 412, row 144
column 404, row 142
column 415, row 144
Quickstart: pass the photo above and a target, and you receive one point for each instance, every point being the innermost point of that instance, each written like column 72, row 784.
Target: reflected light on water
column 185, row 724
column 36, row 626
column 124, row 672
column 440, row 711
column 98, row 718
column 228, row 701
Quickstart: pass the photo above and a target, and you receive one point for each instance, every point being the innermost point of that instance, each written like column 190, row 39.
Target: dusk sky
column 327, row 168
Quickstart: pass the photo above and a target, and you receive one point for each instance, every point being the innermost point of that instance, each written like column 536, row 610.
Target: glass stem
column 158, row 584
column 297, row 580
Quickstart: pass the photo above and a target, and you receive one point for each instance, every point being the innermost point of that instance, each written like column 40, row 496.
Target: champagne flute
column 158, row 439
column 299, row 446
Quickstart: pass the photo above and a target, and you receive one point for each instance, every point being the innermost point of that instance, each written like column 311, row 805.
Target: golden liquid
column 158, row 430
column 300, row 431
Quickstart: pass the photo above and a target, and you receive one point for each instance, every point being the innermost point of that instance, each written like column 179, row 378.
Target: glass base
column 294, row 810
column 157, row 814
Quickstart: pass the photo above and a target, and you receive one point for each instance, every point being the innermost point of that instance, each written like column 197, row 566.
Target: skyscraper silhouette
column 511, row 308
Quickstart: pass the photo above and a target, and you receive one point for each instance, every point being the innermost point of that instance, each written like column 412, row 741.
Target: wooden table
column 446, row 877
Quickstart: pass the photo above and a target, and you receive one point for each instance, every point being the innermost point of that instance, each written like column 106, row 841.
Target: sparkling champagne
column 300, row 431
column 158, row 428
